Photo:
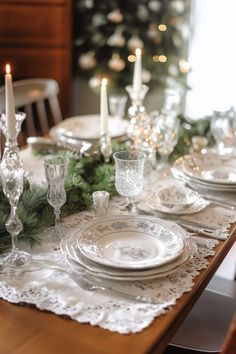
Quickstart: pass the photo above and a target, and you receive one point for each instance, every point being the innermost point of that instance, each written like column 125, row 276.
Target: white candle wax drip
column 9, row 104
column 137, row 79
column 104, row 108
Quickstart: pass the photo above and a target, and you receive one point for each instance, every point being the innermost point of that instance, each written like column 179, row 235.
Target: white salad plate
column 153, row 203
column 80, row 263
column 130, row 242
column 87, row 128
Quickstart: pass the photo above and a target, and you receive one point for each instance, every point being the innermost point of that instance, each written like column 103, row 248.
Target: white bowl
column 176, row 196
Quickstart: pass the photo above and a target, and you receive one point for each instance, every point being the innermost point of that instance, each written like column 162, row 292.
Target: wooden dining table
column 27, row 330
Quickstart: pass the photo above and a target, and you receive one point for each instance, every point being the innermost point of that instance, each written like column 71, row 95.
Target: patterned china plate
column 130, row 242
column 225, row 175
column 87, row 128
column 179, row 170
column 153, row 202
column 77, row 261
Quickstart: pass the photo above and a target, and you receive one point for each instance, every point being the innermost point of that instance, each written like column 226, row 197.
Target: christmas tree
column 107, row 32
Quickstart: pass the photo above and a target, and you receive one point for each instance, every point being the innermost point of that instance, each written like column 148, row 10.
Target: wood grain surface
column 26, row 330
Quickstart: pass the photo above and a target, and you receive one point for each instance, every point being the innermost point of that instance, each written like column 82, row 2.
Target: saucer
column 197, row 206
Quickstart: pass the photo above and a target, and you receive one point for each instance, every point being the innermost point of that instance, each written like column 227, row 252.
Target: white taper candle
column 104, row 108
column 137, row 79
column 9, row 104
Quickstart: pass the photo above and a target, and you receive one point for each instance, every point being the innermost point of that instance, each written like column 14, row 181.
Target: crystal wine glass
column 117, row 105
column 55, row 172
column 129, row 175
column 223, row 129
column 12, row 175
column 166, row 134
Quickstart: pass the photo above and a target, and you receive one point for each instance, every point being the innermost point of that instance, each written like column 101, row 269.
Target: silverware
column 187, row 225
column 213, row 200
column 85, row 283
column 4, row 270
column 91, row 285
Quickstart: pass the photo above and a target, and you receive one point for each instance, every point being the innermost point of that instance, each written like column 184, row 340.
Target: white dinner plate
column 153, row 202
column 196, row 183
column 87, row 128
column 130, row 242
column 218, row 173
column 76, row 259
column 179, row 172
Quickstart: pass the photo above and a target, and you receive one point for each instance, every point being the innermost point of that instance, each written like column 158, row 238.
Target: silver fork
column 87, row 285
column 22, row 271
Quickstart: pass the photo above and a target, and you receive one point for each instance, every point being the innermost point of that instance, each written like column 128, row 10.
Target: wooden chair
column 38, row 98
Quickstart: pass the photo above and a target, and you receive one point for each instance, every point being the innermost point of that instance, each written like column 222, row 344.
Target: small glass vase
column 12, row 175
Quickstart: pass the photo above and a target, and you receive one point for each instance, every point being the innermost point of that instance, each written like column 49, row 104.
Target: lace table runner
column 55, row 291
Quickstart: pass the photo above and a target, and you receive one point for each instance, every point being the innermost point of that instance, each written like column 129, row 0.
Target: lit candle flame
column 104, row 82
column 138, row 52
column 8, row 69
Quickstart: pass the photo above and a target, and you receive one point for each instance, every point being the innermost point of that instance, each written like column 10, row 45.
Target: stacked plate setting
column 209, row 171
column 128, row 248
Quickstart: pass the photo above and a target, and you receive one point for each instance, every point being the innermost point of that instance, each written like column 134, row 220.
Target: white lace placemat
column 55, row 291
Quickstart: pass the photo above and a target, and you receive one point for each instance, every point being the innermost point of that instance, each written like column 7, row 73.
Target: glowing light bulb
column 162, row 27
column 162, row 58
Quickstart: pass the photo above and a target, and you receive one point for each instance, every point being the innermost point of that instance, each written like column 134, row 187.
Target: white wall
column 212, row 57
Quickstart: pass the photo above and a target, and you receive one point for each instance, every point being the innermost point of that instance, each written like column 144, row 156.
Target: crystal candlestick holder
column 136, row 99
column 12, row 175
column 139, row 129
column 105, row 147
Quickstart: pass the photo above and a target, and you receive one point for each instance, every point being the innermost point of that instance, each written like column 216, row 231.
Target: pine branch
column 84, row 176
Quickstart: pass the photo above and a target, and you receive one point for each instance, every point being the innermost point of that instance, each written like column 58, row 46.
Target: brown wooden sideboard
column 36, row 39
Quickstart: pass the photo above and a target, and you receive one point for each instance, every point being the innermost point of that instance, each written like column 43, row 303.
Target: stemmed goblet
column 165, row 136
column 55, row 173
column 117, row 105
column 223, row 129
column 129, row 175
column 12, row 175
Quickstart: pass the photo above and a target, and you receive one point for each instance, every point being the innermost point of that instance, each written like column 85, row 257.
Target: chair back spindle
column 38, row 98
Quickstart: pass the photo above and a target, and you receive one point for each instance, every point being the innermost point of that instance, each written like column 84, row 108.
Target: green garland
column 85, row 176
